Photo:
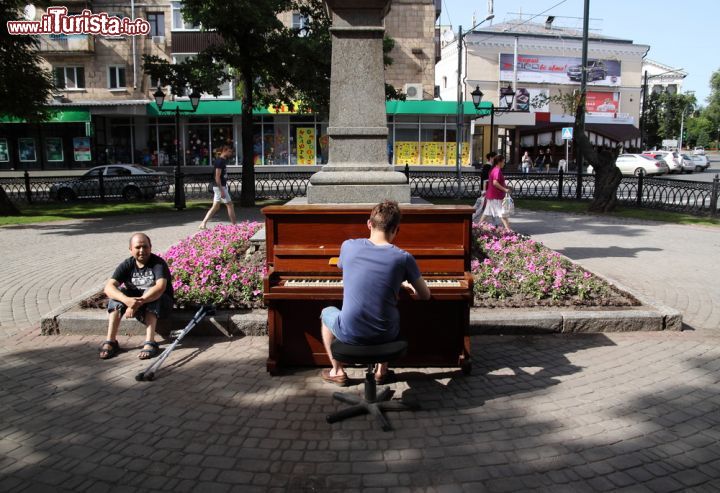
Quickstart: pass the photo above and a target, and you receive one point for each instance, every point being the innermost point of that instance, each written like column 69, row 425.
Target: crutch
column 149, row 373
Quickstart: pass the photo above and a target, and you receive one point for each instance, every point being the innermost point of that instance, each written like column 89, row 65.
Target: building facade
column 104, row 109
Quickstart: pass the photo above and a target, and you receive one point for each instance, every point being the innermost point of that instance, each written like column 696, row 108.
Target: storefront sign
column 559, row 70
column 81, row 149
column 4, row 152
column 602, row 103
column 53, row 149
column 26, row 150
column 305, row 145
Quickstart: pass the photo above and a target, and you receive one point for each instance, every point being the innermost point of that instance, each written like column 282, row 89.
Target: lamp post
column 682, row 124
column 507, row 95
column 460, row 99
column 194, row 102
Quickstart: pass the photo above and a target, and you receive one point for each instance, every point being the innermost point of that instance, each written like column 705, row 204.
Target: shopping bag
column 479, row 206
column 508, row 205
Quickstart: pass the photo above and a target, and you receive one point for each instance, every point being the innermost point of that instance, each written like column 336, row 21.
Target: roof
column 525, row 28
column 619, row 132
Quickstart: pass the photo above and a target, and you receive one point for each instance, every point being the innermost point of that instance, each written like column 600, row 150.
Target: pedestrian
column 547, row 160
column 539, row 161
column 140, row 288
column 497, row 189
column 526, row 163
column 221, row 194
column 374, row 270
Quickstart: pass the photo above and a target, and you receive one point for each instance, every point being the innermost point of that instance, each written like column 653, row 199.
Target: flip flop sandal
column 389, row 377
column 339, row 380
column 149, row 353
column 110, row 351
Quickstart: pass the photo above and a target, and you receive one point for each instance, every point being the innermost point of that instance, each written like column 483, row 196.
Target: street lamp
column 460, row 99
column 682, row 124
column 507, row 95
column 194, row 102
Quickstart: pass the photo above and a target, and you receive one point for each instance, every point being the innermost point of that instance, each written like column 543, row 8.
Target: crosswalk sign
column 567, row 133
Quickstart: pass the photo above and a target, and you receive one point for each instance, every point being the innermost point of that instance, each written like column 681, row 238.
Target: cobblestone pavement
column 604, row 412
column 608, row 412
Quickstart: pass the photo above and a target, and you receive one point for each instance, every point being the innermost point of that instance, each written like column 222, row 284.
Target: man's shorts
column 161, row 307
column 329, row 317
column 218, row 198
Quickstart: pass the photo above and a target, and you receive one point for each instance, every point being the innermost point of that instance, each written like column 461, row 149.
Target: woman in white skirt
column 495, row 193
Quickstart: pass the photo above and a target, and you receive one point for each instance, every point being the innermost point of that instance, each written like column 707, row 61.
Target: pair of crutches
column 149, row 373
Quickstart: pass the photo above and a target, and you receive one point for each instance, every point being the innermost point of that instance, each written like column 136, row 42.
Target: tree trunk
column 247, row 193
column 7, row 208
column 607, row 175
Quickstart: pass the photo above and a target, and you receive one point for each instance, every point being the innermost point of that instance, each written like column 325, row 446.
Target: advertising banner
column 53, row 149
column 546, row 69
column 81, row 149
column 4, row 153
column 524, row 99
column 602, row 103
column 306, row 145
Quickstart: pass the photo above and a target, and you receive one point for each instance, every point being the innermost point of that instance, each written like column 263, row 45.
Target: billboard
column 548, row 69
column 525, row 98
column 602, row 103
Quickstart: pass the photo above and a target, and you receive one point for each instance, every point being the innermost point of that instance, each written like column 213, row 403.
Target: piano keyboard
column 304, row 283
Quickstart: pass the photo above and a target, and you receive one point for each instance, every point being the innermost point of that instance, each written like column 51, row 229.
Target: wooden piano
column 302, row 239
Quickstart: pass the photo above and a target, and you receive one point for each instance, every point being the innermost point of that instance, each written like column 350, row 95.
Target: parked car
column 672, row 159
column 636, row 165
column 687, row 163
column 699, row 151
column 596, row 70
column 129, row 181
column 700, row 161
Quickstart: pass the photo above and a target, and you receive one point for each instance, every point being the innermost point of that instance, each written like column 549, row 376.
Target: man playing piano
column 374, row 270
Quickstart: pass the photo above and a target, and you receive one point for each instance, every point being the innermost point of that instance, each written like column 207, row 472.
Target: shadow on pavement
column 577, row 253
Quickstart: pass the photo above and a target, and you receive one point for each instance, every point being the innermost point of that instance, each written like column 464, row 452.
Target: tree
column 24, row 86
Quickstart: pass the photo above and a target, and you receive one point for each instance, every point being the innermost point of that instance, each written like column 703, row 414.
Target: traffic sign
column 567, row 133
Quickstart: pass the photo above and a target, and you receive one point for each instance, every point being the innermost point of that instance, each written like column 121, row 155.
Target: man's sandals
column 108, row 349
column 149, row 352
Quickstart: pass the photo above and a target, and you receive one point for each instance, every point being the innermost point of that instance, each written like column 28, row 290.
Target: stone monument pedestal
column 357, row 169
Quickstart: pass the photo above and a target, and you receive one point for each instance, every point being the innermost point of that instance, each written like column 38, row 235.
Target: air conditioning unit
column 158, row 39
column 414, row 92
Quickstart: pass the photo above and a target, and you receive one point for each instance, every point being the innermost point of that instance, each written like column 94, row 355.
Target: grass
column 40, row 213
column 576, row 207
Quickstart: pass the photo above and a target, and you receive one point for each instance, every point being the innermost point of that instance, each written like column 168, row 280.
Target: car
column 700, row 161
column 637, row 165
column 596, row 70
column 672, row 159
column 687, row 163
column 699, row 151
column 129, row 181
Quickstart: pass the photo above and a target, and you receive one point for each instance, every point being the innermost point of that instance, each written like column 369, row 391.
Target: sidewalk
column 605, row 412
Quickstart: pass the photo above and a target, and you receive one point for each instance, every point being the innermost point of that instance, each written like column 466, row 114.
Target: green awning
column 57, row 116
column 433, row 108
column 214, row 107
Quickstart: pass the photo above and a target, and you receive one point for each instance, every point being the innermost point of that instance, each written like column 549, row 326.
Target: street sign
column 567, row 133
column 669, row 143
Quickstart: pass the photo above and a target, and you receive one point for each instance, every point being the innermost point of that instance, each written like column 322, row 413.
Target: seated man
column 373, row 272
column 147, row 295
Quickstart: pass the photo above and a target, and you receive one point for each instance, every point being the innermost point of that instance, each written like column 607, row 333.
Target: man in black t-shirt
column 220, row 189
column 140, row 287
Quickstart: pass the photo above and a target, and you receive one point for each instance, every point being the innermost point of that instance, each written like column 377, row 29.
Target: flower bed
column 513, row 270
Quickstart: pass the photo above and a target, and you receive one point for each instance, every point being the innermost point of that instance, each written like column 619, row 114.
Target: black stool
column 371, row 403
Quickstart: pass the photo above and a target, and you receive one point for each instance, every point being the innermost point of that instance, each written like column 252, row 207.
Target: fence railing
column 692, row 197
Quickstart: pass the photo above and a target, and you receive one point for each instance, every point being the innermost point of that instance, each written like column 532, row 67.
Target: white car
column 637, row 165
column 701, row 162
column 672, row 159
column 687, row 163
column 699, row 151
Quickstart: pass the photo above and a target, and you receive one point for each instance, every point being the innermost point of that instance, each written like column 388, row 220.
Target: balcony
column 61, row 44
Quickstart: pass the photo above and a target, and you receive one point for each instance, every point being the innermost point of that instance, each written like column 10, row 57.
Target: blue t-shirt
column 372, row 276
column 220, row 164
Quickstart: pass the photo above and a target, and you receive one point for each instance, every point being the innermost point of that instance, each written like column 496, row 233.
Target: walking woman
column 496, row 192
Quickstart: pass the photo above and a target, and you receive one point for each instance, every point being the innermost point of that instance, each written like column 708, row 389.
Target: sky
column 687, row 37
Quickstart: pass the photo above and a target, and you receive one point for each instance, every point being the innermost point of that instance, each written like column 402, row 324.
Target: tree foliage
column 25, row 86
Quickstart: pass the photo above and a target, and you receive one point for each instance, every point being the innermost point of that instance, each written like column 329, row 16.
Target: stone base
column 357, row 194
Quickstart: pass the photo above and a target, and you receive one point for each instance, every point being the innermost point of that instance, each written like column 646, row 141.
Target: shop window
column 26, row 150
column 69, row 77
column 197, row 151
column 116, row 77
column 178, row 22
column 54, row 149
column 300, row 24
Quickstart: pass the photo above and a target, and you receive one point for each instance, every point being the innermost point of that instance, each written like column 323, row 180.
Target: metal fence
column 700, row 198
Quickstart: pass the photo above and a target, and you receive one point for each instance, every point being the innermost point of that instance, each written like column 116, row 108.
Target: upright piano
column 301, row 280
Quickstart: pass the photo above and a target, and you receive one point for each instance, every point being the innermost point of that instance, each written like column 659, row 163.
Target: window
column 116, row 77
column 300, row 23
column 69, row 77
column 178, row 23
column 119, row 15
column 157, row 23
